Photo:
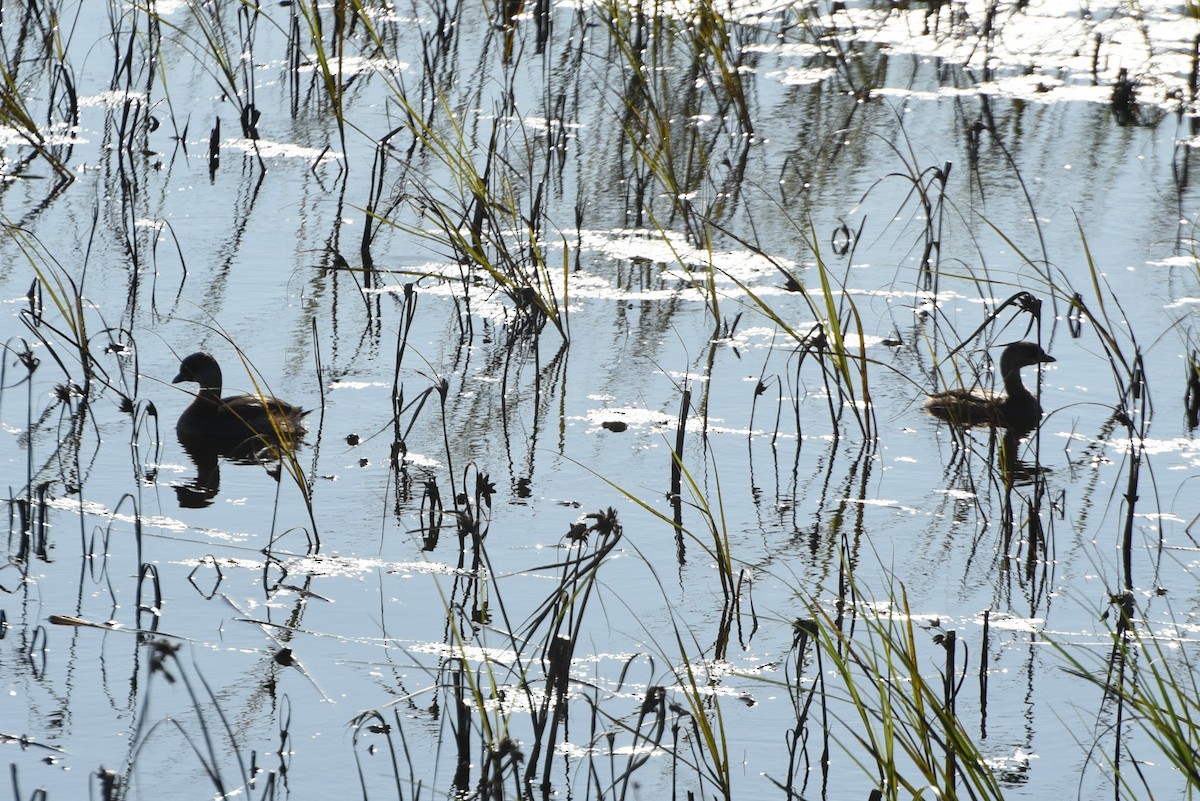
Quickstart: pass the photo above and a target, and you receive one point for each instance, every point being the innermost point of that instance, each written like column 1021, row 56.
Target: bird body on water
column 1017, row 409
column 222, row 424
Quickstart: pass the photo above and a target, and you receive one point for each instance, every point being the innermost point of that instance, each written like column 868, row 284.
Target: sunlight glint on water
column 690, row 198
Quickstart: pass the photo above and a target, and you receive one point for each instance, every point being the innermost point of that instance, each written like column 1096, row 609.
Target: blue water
column 168, row 260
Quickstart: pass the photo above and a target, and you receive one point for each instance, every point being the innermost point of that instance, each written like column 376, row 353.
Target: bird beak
column 1047, row 358
column 178, row 378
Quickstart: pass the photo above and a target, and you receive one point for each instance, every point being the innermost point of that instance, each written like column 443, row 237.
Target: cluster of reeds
column 39, row 100
column 88, row 357
column 1148, row 684
column 900, row 727
column 514, row 698
column 477, row 189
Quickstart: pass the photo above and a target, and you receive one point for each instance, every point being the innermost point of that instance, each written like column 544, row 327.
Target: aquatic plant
column 710, row 204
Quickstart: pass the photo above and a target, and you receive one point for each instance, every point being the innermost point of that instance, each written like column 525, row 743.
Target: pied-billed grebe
column 1017, row 410
column 220, row 423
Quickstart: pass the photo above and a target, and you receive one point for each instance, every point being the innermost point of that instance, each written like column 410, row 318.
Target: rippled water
column 690, row 222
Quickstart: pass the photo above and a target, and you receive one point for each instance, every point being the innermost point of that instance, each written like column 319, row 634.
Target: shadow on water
column 202, row 490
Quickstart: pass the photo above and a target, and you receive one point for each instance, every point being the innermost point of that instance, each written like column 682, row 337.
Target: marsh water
column 616, row 322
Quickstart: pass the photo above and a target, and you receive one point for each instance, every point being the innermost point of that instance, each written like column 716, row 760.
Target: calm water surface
column 148, row 249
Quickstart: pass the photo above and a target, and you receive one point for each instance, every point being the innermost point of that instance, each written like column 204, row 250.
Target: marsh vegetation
column 615, row 321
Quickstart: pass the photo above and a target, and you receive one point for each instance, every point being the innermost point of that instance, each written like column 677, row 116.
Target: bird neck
column 211, row 394
column 1013, row 386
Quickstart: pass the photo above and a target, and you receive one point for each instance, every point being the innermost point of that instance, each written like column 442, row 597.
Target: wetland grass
column 905, row 732
column 521, row 704
column 843, row 361
column 37, row 83
column 228, row 56
column 524, row 688
column 902, row 728
column 482, row 228
column 1191, row 401
column 210, row 735
column 1147, row 684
